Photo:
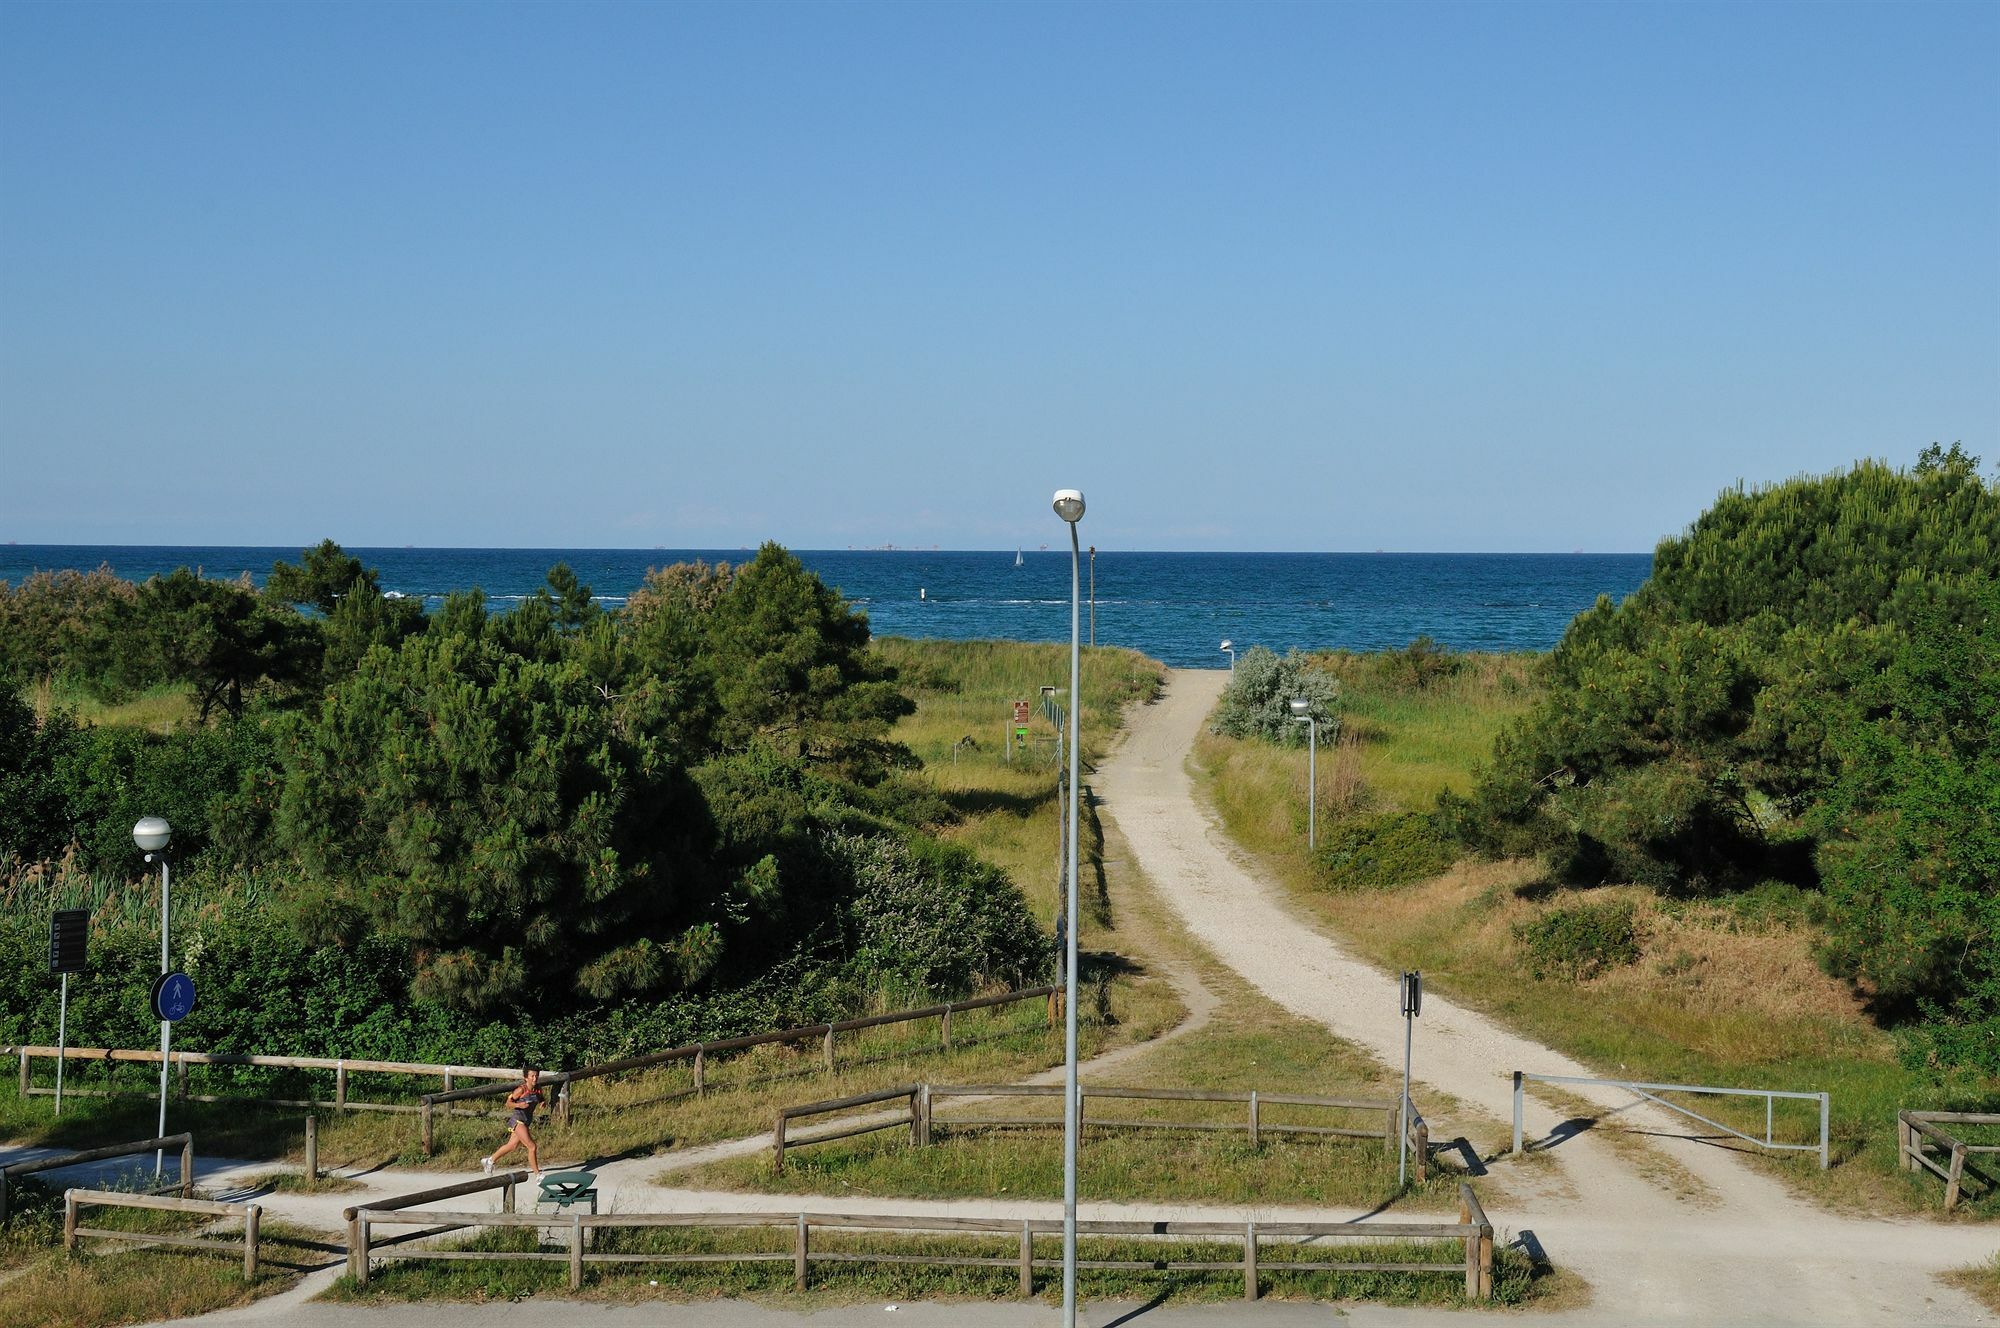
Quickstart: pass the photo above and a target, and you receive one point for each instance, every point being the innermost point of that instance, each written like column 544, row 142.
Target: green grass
column 1719, row 994
column 1514, row 1281
column 103, row 1284
column 160, row 709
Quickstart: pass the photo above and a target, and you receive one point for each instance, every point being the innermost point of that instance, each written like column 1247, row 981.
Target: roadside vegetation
column 1648, row 849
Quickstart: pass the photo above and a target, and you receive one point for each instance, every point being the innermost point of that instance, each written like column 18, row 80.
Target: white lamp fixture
column 1302, row 714
column 1230, row 646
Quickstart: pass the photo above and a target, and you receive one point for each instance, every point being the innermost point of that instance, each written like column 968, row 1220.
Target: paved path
column 1751, row 1253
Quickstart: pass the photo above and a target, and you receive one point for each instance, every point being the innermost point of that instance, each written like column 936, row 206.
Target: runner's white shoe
column 486, row 1165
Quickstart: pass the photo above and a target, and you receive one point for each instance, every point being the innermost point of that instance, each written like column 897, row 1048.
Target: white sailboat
column 1017, row 557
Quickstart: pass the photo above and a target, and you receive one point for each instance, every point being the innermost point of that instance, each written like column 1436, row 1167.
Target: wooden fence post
column 576, row 1251
column 1390, row 1128
column 184, row 1079
column 252, row 1216
column 424, row 1108
column 187, row 1167
column 1254, row 1136
column 700, row 1071
column 1903, row 1132
column 1485, row 1262
column 1471, row 1246
column 1957, row 1173
column 1249, row 1261
column 829, row 1048
column 1027, row 1260
column 778, row 1146
column 24, row 1074
column 3, row 1196
column 312, row 1148
column 1420, row 1149
column 799, row 1257
column 947, row 1026
column 507, row 1197
column 357, row 1258
column 69, row 1219
column 340, row 1085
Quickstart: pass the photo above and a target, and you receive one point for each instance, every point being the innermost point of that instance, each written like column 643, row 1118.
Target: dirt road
column 1748, row 1252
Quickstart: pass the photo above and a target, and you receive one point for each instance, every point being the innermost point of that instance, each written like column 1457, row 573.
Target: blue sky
column 1412, row 277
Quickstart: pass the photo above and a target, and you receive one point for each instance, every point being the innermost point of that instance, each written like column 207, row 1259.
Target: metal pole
column 1093, row 597
column 1517, row 1113
column 166, row 1029
column 62, row 1040
column 1071, row 1124
column 1403, row 1150
column 1312, row 787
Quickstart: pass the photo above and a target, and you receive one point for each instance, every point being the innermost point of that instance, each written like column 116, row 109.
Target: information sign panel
column 69, row 934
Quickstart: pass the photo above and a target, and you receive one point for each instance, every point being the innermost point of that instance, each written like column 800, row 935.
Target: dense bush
column 1257, row 702
column 1390, row 849
column 1577, row 942
column 476, row 835
column 1805, row 689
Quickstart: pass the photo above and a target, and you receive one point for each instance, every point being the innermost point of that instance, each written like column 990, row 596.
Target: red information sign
column 1020, row 712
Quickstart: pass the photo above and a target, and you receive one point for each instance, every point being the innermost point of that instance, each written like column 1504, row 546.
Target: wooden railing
column 181, row 1143
column 75, row 1200
column 341, row 1068
column 699, row 1053
column 358, row 1219
column 924, row 1097
column 1472, row 1228
column 1917, row 1131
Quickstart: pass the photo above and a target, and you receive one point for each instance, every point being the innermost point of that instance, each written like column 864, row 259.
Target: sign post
column 69, row 932
column 1018, row 734
column 1413, row 1001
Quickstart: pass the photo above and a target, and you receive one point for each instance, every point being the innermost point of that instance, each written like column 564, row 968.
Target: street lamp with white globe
column 1230, row 646
column 1069, row 506
column 1302, row 714
column 152, row 835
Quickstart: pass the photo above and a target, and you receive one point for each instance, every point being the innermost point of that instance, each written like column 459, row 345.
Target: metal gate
column 1651, row 1092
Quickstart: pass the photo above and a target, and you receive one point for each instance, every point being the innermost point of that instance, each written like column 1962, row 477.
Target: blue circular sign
column 173, row 997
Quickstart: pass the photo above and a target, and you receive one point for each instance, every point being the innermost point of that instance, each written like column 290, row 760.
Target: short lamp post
column 152, row 834
column 1230, row 646
column 1302, row 714
column 1069, row 506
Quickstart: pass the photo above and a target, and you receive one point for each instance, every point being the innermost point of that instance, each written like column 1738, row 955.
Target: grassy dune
column 1722, row 992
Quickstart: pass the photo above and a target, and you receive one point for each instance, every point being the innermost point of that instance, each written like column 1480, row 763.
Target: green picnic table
column 563, row 1188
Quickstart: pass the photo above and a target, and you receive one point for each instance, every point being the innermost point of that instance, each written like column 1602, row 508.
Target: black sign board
column 69, row 930
column 1413, row 994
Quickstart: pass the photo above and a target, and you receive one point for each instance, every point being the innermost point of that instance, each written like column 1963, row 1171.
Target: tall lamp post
column 152, row 835
column 1230, row 646
column 1302, row 714
column 1069, row 506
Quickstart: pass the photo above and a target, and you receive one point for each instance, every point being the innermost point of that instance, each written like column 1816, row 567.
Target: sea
column 1177, row 607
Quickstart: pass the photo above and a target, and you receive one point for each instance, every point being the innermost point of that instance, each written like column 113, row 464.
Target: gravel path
column 1746, row 1252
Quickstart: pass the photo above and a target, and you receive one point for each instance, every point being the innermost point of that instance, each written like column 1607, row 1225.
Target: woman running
column 521, row 1104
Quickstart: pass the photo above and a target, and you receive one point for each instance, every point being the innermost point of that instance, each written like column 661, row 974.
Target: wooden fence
column 1472, row 1228
column 923, row 1098
column 181, row 1143
column 359, row 1219
column 341, row 1069
column 75, row 1200
column 1918, row 1131
column 698, row 1053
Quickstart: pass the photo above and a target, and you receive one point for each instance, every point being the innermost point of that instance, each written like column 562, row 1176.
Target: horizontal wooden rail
column 74, row 1201
column 923, row 1097
column 340, row 1066
column 360, row 1216
column 699, row 1052
column 181, row 1143
column 1472, row 1228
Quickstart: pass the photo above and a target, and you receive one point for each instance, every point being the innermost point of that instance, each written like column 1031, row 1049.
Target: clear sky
column 1412, row 277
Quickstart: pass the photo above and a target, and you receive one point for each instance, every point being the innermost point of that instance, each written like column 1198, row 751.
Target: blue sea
column 1176, row 607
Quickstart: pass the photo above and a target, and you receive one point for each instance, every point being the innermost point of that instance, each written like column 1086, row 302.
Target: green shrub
column 1257, row 702
column 1579, row 941
column 1387, row 850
